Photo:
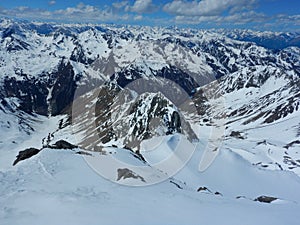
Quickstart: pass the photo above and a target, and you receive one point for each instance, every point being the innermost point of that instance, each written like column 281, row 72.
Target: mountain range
column 221, row 101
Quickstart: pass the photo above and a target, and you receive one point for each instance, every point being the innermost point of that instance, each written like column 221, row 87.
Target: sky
column 275, row 15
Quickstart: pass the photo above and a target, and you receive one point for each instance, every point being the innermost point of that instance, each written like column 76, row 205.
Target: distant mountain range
column 146, row 74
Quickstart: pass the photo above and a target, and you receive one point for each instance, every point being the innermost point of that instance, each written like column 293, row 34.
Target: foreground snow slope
column 59, row 187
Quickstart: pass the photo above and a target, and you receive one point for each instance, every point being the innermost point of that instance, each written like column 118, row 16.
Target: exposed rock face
column 83, row 153
column 63, row 89
column 172, row 73
column 236, row 134
column 15, row 43
column 265, row 199
column 293, row 143
column 204, row 189
column 31, row 93
column 78, row 55
column 62, row 144
column 103, row 112
column 124, row 118
column 25, row 154
column 34, row 95
column 153, row 107
column 127, row 173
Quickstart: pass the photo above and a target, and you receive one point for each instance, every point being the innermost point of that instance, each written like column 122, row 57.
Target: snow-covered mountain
column 267, row 39
column 155, row 106
column 260, row 108
column 39, row 58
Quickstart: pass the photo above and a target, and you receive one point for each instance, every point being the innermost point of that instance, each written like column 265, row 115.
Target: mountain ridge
column 193, row 69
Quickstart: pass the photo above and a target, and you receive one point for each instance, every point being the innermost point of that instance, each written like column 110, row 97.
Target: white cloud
column 246, row 17
column 234, row 19
column 80, row 13
column 88, row 13
column 120, row 5
column 289, row 19
column 52, row 2
column 138, row 18
column 79, row 9
column 142, row 6
column 206, row 7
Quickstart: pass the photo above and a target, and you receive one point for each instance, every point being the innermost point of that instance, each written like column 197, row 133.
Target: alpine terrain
column 106, row 124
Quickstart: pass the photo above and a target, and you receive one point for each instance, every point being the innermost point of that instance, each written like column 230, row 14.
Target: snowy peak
column 125, row 118
column 152, row 114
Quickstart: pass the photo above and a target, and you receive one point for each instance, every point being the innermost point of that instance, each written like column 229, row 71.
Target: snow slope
column 61, row 183
column 260, row 111
column 59, row 187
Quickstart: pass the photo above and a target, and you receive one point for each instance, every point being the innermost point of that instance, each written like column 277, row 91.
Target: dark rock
column 105, row 100
column 63, row 89
column 63, row 124
column 62, row 144
column 200, row 101
column 183, row 79
column 33, row 92
column 291, row 162
column 177, row 185
column 297, row 142
column 264, row 142
column 284, row 109
column 127, row 173
column 26, row 154
column 203, row 189
column 241, row 197
column 172, row 73
column 236, row 134
column 83, row 153
column 136, row 154
column 174, row 124
column 265, row 199
column 79, row 56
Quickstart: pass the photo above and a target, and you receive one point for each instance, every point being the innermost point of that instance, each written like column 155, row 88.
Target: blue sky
column 278, row 15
